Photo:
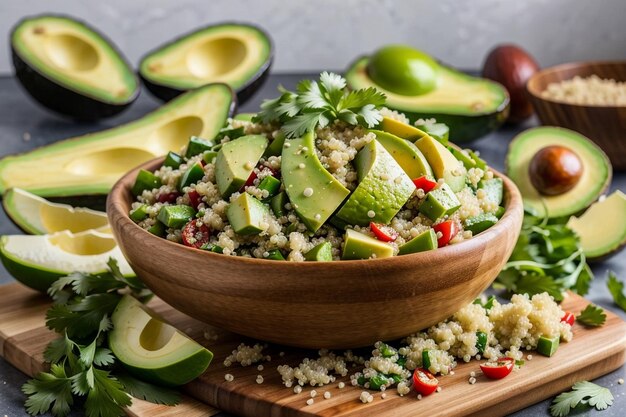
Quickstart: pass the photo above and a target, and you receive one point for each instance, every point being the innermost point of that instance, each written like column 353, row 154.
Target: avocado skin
column 63, row 100
column 244, row 93
column 40, row 281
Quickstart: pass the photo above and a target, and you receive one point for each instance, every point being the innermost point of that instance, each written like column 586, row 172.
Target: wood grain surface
column 605, row 125
column 315, row 304
column 592, row 353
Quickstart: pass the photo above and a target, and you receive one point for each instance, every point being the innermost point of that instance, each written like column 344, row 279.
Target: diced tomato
column 194, row 235
column 383, row 232
column 424, row 183
column 568, row 318
column 448, row 230
column 168, row 197
column 203, row 163
column 250, row 180
column 424, row 382
column 194, row 199
column 499, row 369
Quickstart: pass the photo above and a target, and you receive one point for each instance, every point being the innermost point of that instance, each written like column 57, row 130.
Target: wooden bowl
column 340, row 304
column 605, row 125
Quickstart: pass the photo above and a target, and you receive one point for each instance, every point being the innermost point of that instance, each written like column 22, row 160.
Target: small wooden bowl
column 340, row 304
column 605, row 125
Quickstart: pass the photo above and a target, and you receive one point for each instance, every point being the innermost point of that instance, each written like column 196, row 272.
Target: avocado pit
column 555, row 170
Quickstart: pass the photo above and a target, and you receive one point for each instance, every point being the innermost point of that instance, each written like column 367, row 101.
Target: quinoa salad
column 373, row 186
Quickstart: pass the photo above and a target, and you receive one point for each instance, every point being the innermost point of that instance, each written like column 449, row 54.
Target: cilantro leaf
column 305, row 122
column 592, row 316
column 49, row 391
column 58, row 349
column 616, row 288
column 107, row 398
column 583, row 392
column 103, row 357
column 148, row 392
column 83, row 381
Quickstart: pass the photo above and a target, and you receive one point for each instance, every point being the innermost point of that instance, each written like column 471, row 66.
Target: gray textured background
column 328, row 34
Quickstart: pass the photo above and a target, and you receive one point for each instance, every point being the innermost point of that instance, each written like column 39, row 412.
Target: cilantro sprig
column 585, row 393
column 318, row 103
column 616, row 288
column 592, row 316
column 81, row 364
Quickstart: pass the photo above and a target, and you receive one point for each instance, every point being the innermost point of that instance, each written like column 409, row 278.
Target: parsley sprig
column 81, row 364
column 592, row 316
column 546, row 258
column 318, row 103
column 585, row 393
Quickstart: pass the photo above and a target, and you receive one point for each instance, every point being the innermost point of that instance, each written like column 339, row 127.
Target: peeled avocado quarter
column 383, row 188
column 246, row 214
column 444, row 165
column 235, row 162
column 405, row 153
column 361, row 246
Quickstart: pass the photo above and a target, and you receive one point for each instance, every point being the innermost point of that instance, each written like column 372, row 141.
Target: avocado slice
column 91, row 164
column 595, row 179
column 602, row 228
column 426, row 240
column 470, row 106
column 383, row 188
column 480, row 223
column 313, row 192
column 440, row 202
column 70, row 68
column 246, row 214
column 322, row 253
column 357, row 245
column 37, row 216
column 235, row 162
column 442, row 162
column 237, row 54
column 400, row 129
column 38, row 261
column 406, row 154
column 153, row 350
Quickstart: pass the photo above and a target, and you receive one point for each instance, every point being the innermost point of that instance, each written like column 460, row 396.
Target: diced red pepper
column 250, row 180
column 383, row 233
column 194, row 235
column 499, row 369
column 424, row 382
column 424, row 183
column 168, row 197
column 194, row 199
column 448, row 230
column 568, row 318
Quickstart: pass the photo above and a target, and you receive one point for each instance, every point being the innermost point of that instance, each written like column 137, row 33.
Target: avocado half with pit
column 416, row 85
column 153, row 350
column 70, row 68
column 237, row 54
column 38, row 261
column 38, row 216
column 89, row 165
column 594, row 180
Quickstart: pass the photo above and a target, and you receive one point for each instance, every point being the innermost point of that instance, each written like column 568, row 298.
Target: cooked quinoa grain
column 591, row 90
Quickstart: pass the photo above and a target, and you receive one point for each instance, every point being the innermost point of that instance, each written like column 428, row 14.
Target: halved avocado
column 38, row 261
column 153, row 350
column 90, row 164
column 596, row 175
column 470, row 106
column 38, row 216
column 70, row 68
column 237, row 54
column 602, row 228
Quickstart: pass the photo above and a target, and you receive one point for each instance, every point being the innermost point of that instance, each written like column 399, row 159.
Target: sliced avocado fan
column 237, row 54
column 71, row 68
column 91, row 164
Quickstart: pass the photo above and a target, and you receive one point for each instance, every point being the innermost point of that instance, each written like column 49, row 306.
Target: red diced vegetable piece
column 250, row 180
column 194, row 199
column 168, row 197
column 568, row 318
column 499, row 369
column 194, row 235
column 383, row 233
column 424, row 183
column 448, row 230
column 424, row 382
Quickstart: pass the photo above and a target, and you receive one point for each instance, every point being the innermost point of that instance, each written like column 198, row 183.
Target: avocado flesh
column 470, row 106
column 91, row 164
column 153, row 350
column 246, row 215
column 301, row 170
column 400, row 129
column 444, row 165
column 383, row 188
column 602, row 228
column 323, row 252
column 424, row 241
column 235, row 162
column 239, row 55
column 596, row 176
column 38, row 216
column 406, row 154
column 360, row 246
column 38, row 261
column 71, row 68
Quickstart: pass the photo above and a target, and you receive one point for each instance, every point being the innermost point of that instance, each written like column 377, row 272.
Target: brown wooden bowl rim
column 513, row 203
column 533, row 90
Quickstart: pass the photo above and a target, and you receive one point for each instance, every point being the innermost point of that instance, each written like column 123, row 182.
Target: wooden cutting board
column 593, row 352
